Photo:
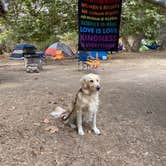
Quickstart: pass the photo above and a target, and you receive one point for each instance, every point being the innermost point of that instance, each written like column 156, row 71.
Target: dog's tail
column 60, row 113
column 65, row 114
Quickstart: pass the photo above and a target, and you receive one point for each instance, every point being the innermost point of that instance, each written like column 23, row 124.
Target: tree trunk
column 137, row 42
column 136, row 45
column 126, row 44
column 2, row 10
column 2, row 48
column 162, row 37
column 163, row 45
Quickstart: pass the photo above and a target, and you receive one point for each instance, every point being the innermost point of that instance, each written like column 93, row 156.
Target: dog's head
column 90, row 83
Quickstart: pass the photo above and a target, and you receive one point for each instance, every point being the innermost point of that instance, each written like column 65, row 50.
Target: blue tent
column 153, row 46
column 22, row 49
column 24, row 46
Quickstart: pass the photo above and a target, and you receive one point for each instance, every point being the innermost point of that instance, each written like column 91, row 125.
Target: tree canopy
column 2, row 10
column 45, row 21
column 141, row 20
column 161, row 3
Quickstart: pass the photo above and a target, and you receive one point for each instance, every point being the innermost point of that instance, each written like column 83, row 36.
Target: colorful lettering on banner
column 99, row 22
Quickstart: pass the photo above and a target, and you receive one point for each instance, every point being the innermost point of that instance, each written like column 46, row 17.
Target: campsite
column 132, row 121
column 48, row 48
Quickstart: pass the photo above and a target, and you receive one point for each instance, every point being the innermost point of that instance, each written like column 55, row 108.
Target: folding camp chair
column 82, row 58
column 93, row 63
column 85, row 61
column 33, row 63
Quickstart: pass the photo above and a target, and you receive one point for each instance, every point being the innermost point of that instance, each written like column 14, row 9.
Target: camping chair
column 33, row 63
column 58, row 55
column 93, row 63
column 82, row 58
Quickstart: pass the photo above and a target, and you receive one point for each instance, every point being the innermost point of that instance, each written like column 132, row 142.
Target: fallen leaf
column 58, row 112
column 52, row 129
column 46, row 121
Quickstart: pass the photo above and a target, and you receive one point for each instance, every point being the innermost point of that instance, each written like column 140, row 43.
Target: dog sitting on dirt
column 85, row 105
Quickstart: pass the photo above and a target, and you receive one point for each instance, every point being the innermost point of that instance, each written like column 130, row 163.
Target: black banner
column 99, row 22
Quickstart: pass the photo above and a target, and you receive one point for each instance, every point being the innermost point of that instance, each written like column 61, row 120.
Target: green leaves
column 48, row 20
column 38, row 20
column 141, row 17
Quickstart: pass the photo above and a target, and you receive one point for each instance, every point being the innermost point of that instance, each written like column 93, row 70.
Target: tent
column 149, row 45
column 66, row 50
column 20, row 50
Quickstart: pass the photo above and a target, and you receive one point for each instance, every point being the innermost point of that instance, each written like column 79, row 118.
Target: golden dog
column 85, row 105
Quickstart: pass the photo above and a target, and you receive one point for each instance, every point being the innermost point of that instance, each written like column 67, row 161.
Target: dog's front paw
column 81, row 132
column 97, row 131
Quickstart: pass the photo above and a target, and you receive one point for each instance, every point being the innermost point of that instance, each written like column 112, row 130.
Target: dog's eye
column 91, row 81
column 97, row 80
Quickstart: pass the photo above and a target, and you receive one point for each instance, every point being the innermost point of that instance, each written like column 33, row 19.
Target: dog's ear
column 82, row 80
column 98, row 78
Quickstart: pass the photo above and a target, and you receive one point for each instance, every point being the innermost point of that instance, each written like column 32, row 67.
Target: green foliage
column 69, row 36
column 7, row 39
column 138, row 16
column 41, row 21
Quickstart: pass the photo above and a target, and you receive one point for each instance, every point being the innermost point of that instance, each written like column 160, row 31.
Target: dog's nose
column 98, row 88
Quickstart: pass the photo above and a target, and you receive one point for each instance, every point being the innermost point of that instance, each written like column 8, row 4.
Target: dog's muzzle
column 98, row 88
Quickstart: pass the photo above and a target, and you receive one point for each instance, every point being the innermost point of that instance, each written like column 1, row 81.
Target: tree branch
column 2, row 10
column 161, row 3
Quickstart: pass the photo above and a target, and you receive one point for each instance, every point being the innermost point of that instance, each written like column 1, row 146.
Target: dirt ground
column 132, row 114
